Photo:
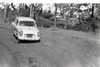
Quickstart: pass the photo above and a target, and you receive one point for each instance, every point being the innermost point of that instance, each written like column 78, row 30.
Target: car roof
column 25, row 18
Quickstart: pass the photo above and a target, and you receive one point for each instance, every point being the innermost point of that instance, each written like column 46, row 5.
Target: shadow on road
column 25, row 41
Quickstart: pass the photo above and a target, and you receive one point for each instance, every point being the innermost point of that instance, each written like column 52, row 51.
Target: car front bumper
column 28, row 38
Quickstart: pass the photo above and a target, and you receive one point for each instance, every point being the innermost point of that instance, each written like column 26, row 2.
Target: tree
column 63, row 7
column 67, row 10
column 24, row 10
column 6, row 9
column 97, row 11
column 12, row 5
column 35, row 10
column 31, row 10
column 92, row 14
column 56, row 7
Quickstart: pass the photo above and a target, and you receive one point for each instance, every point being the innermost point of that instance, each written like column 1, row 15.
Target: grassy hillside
column 43, row 22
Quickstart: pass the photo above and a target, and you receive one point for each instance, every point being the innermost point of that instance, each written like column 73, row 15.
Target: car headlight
column 38, row 34
column 21, row 33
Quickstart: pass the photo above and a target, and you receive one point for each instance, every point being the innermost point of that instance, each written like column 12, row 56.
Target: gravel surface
column 58, row 48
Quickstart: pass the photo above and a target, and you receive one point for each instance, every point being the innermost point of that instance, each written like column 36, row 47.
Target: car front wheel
column 18, row 40
column 38, row 40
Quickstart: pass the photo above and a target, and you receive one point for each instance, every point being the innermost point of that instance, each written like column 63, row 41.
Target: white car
column 24, row 28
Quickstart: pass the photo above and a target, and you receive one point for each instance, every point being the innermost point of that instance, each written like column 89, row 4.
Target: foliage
column 24, row 11
column 82, row 13
column 47, row 15
column 83, row 16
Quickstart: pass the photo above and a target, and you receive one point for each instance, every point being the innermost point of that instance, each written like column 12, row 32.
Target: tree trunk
column 32, row 8
column 5, row 12
column 31, row 11
column 55, row 22
column 65, row 26
column 92, row 15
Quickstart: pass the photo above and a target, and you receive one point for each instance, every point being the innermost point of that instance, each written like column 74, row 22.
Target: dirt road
column 58, row 48
column 7, row 59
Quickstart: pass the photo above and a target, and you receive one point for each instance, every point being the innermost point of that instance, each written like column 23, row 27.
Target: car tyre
column 38, row 40
column 18, row 40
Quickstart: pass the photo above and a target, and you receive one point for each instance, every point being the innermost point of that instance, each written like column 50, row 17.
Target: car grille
column 29, row 35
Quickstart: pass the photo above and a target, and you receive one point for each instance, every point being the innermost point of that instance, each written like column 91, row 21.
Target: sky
column 51, row 1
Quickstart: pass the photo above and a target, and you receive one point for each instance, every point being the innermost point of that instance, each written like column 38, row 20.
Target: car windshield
column 26, row 23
